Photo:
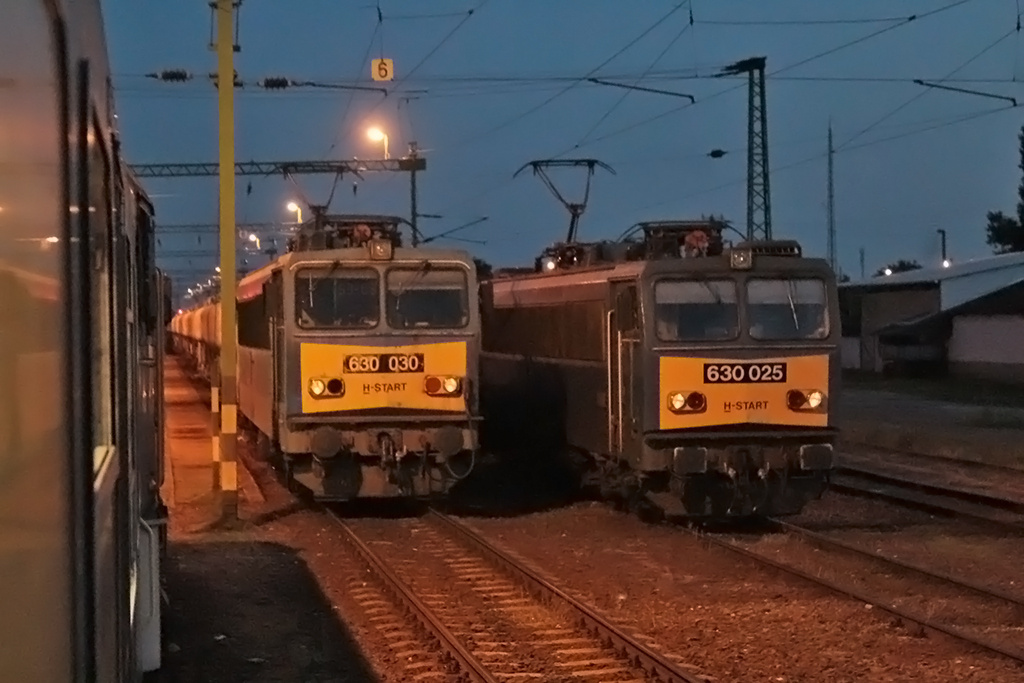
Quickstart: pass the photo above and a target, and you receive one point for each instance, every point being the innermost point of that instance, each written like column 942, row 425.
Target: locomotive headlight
column 741, row 259
column 442, row 386
column 804, row 400
column 676, row 401
column 317, row 387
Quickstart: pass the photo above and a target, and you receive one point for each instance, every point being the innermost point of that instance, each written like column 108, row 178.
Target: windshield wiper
column 711, row 290
column 792, row 305
column 415, row 278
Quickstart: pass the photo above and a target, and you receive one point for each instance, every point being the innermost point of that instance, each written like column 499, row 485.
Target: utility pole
column 413, row 212
column 224, row 456
column 942, row 234
column 831, row 205
column 862, row 276
column 759, row 202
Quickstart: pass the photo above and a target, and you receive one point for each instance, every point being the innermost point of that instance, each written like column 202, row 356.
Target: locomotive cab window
column 791, row 308
column 427, row 297
column 696, row 310
column 337, row 297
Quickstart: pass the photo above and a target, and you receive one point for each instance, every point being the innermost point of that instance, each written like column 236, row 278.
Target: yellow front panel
column 737, row 403
column 381, row 389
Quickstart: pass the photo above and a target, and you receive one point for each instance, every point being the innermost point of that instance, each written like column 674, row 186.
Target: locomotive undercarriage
column 378, row 462
column 722, row 481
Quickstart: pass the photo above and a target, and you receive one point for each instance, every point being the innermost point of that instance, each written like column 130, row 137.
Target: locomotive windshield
column 696, row 310
column 345, row 298
column 787, row 309
column 427, row 297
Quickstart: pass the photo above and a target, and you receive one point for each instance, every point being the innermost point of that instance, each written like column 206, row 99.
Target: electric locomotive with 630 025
column 357, row 359
column 671, row 366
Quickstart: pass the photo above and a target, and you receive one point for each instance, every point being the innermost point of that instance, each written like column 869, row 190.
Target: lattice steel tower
column 759, row 200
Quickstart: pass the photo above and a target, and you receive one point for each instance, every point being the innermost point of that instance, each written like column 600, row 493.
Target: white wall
column 987, row 339
column 849, row 352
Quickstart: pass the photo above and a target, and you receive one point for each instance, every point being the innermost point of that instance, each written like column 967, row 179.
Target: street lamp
column 297, row 210
column 942, row 234
column 888, row 271
column 377, row 135
column 254, row 238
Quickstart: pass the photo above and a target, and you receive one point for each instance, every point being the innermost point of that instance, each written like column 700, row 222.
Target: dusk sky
column 491, row 90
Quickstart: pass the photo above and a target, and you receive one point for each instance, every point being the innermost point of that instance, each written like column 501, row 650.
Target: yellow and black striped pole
column 225, row 466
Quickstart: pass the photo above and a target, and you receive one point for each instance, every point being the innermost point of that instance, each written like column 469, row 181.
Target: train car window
column 792, row 308
column 100, row 238
column 252, row 323
column 427, row 297
column 337, row 297
column 696, row 310
column 626, row 310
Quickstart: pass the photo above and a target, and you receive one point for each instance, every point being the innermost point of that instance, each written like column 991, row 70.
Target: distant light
column 252, row 238
column 53, row 239
column 375, row 134
column 945, row 263
column 292, row 206
column 888, row 271
column 180, row 311
column 217, row 269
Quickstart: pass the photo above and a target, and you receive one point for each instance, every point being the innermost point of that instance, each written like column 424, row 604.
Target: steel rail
column 951, row 459
column 976, row 497
column 404, row 595
column 822, row 541
column 641, row 656
column 876, row 602
column 937, row 499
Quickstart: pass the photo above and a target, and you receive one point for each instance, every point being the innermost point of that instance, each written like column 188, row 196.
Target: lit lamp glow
column 297, row 210
column 377, row 135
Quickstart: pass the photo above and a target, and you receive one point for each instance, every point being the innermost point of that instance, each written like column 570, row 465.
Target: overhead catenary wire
column 352, row 95
column 960, row 119
column 636, row 83
column 537, row 107
column 802, row 62
column 447, row 37
column 914, row 98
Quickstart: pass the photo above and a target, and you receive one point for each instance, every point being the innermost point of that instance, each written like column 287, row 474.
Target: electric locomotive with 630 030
column 672, row 366
column 357, row 359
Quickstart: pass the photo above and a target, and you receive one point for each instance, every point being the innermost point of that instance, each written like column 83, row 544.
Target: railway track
column 488, row 616
column 932, row 458
column 1005, row 513
column 973, row 637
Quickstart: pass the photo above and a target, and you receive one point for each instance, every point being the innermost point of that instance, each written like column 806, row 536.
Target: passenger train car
column 81, row 345
column 673, row 367
column 357, row 361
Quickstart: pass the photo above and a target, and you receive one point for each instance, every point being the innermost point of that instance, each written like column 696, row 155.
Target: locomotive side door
column 274, row 302
column 624, row 370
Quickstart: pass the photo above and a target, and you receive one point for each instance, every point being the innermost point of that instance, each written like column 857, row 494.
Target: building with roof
column 967, row 319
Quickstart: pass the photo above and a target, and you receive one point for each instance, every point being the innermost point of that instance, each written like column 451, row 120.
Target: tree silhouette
column 1004, row 233
column 900, row 266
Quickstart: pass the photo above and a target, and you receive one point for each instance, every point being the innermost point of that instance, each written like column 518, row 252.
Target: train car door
column 624, row 371
column 274, row 303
